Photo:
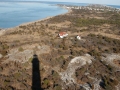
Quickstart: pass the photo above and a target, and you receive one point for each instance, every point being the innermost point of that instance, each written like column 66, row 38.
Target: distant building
column 78, row 37
column 63, row 34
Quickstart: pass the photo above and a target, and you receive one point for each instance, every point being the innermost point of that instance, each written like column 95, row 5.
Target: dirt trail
column 101, row 33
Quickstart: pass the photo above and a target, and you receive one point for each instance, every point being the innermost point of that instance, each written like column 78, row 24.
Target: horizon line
column 57, row 1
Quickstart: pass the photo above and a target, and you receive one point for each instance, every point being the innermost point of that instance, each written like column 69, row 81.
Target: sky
column 110, row 2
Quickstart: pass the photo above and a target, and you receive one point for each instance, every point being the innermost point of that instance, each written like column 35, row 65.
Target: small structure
column 63, row 34
column 78, row 37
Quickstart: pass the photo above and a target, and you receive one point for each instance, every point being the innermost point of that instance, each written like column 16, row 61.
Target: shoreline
column 3, row 30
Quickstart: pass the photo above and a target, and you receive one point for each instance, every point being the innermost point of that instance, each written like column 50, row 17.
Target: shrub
column 45, row 83
column 65, row 47
column 55, row 74
column 110, row 67
column 17, row 75
column 20, row 49
column 92, row 35
column 30, row 59
column 58, row 87
column 108, row 83
column 4, row 52
column 5, row 46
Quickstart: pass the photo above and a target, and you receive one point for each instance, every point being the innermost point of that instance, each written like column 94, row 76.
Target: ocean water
column 66, row 3
column 115, row 6
column 15, row 13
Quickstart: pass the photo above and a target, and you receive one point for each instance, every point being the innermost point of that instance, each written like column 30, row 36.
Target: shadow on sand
column 36, row 79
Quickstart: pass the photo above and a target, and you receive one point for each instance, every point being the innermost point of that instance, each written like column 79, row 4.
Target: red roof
column 62, row 33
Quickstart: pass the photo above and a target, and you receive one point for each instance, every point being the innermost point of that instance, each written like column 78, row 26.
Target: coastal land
column 91, row 62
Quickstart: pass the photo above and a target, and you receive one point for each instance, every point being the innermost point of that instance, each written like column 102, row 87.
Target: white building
column 63, row 34
column 78, row 37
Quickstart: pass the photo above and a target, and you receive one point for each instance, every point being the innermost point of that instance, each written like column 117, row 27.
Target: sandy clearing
column 68, row 75
column 109, row 58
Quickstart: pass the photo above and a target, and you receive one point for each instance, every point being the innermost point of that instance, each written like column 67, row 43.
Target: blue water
column 15, row 13
column 66, row 3
column 115, row 6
